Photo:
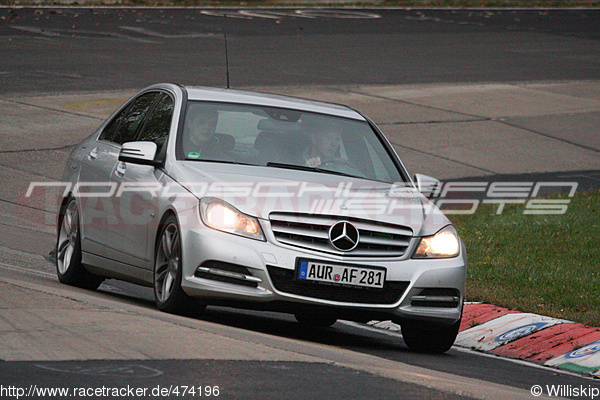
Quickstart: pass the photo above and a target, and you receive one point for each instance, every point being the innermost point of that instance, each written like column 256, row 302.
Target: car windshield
column 282, row 138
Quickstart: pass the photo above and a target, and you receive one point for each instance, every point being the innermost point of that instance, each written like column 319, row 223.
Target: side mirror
column 427, row 185
column 141, row 153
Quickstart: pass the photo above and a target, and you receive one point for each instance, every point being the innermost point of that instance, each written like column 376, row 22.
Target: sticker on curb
column 503, row 330
column 584, row 360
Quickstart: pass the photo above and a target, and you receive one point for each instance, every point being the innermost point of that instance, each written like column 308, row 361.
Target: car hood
column 259, row 191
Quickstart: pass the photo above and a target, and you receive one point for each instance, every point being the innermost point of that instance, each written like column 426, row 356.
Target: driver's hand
column 313, row 162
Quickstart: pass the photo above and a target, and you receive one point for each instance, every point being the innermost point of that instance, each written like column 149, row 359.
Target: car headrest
column 275, row 141
column 226, row 142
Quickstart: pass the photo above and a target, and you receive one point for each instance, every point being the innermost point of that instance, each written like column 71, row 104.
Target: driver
column 325, row 144
column 199, row 139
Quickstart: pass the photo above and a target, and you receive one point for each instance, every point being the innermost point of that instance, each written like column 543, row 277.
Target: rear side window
column 158, row 125
column 124, row 126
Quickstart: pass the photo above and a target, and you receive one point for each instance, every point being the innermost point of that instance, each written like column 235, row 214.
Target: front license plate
column 341, row 274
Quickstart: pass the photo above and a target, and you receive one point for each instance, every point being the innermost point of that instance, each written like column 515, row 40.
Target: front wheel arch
column 168, row 265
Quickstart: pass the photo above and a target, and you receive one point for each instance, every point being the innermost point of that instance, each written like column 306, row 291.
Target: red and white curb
column 549, row 341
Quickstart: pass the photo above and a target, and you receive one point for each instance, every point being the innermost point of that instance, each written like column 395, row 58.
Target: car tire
column 315, row 320
column 168, row 272
column 69, row 268
column 429, row 338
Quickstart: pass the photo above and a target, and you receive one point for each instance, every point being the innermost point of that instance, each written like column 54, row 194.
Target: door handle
column 121, row 168
column 93, row 154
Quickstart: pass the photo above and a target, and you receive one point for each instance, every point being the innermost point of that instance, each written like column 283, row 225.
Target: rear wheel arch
column 69, row 267
column 61, row 210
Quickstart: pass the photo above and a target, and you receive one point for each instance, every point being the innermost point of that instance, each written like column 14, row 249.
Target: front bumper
column 221, row 268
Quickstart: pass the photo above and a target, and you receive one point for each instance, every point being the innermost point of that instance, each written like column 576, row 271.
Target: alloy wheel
column 67, row 239
column 168, row 263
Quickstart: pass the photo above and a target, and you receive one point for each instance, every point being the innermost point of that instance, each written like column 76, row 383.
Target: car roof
column 235, row 96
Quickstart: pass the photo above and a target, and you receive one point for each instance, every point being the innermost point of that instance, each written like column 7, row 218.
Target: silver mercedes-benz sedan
column 224, row 197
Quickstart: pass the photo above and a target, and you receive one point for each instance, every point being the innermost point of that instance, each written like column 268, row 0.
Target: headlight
column 222, row 216
column 444, row 244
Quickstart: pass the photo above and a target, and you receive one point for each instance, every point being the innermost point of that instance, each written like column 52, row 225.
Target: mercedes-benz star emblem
column 343, row 236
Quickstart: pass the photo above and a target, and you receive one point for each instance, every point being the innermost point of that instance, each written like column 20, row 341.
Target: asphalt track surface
column 335, row 363
column 72, row 50
column 81, row 49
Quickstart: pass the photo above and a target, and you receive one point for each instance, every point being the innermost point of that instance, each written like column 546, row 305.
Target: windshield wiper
column 311, row 169
column 218, row 161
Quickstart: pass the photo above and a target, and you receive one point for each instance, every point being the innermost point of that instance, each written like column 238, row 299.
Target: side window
column 124, row 126
column 158, row 125
column 109, row 131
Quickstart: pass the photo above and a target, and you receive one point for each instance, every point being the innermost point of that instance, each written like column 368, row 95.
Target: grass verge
column 545, row 264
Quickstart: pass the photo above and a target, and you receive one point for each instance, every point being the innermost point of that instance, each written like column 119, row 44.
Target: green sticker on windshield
column 193, row 155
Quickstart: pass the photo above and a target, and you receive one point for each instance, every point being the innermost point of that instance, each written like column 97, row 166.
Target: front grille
column 284, row 280
column 309, row 231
